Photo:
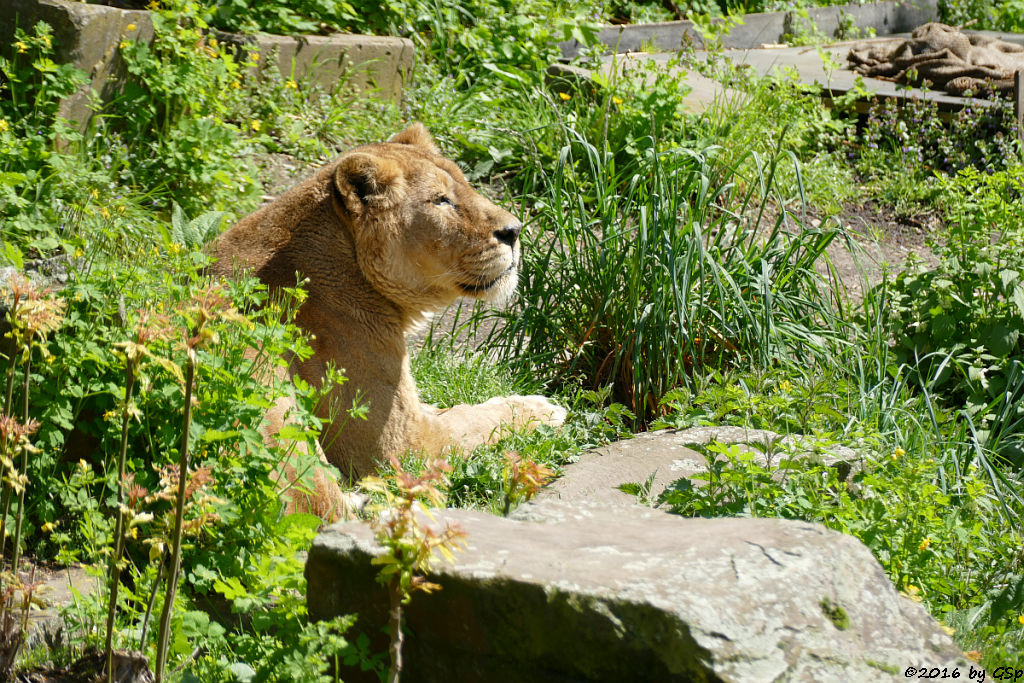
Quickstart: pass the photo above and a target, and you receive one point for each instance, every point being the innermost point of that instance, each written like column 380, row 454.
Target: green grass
column 642, row 278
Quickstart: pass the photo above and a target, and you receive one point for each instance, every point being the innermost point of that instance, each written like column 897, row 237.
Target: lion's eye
column 442, row 201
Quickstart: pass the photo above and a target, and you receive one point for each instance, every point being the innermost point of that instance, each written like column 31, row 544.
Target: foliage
column 31, row 168
column 231, row 505
column 286, row 113
column 922, row 495
column 1007, row 15
column 910, row 134
column 468, row 37
column 169, row 130
column 959, row 325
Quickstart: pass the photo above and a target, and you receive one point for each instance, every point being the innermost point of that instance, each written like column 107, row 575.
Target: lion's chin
column 496, row 290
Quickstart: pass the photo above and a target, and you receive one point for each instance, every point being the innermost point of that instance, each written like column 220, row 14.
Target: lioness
column 385, row 235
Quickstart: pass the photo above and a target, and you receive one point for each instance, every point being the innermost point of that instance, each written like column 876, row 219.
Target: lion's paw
column 473, row 425
column 534, row 409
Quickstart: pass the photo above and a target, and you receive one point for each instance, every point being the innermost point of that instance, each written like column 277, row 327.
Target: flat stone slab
column 594, row 593
column 664, row 456
column 805, row 64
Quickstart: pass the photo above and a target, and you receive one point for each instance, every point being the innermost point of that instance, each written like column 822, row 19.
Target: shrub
column 34, row 187
column 959, row 325
column 168, row 134
column 909, row 134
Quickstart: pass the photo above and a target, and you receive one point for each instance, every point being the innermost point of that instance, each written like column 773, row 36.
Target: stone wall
column 88, row 36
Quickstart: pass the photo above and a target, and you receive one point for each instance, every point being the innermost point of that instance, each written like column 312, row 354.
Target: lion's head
column 423, row 237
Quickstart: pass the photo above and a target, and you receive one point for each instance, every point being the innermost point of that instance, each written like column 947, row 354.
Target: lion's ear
column 363, row 180
column 416, row 135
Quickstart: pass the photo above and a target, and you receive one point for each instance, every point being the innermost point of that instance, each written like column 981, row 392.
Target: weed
column 403, row 528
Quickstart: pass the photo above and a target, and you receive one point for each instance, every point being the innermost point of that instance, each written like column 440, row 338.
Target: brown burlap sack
column 944, row 58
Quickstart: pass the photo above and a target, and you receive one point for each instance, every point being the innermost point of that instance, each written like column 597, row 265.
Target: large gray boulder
column 588, row 592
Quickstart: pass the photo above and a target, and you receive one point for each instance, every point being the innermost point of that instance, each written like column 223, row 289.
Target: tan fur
column 385, row 235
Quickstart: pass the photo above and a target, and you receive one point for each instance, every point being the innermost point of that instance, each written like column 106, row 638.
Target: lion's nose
column 509, row 234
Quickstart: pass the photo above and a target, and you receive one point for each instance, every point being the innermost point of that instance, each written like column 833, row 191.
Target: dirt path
column 883, row 239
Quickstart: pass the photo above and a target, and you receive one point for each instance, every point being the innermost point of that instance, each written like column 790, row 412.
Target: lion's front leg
column 325, row 498
column 470, row 426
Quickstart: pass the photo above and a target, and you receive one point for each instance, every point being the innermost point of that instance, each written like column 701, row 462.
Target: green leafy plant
column 403, row 528
column 959, row 324
column 32, row 315
column 522, row 479
column 910, row 136
column 169, row 131
column 135, row 352
column 31, row 134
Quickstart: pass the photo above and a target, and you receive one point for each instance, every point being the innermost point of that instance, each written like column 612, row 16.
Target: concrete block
column 378, row 64
column 758, row 29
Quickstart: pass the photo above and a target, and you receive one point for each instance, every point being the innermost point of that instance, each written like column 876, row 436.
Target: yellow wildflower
column 124, row 44
column 94, row 193
column 1020, row 619
column 291, row 84
column 45, row 40
column 3, row 126
column 256, row 124
column 105, row 212
column 924, row 544
column 22, row 47
column 48, row 527
column 898, row 453
column 130, row 27
column 565, row 96
column 617, row 100
column 213, row 42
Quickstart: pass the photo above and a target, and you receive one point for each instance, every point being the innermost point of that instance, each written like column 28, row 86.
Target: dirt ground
column 883, row 238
